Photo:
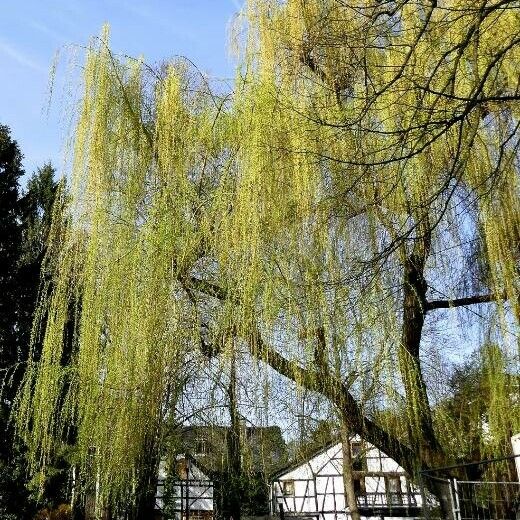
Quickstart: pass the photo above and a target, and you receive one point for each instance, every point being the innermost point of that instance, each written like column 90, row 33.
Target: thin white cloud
column 21, row 58
column 141, row 11
column 44, row 29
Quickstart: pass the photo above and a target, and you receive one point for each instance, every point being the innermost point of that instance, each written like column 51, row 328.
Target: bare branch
column 461, row 302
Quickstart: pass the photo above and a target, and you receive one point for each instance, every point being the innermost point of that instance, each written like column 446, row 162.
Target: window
column 288, row 488
column 359, row 461
column 359, row 486
column 393, row 490
column 201, row 447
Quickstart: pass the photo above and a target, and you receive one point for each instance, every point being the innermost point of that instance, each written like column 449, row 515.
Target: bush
column 62, row 512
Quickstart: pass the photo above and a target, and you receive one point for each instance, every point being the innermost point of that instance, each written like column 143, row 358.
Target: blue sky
column 31, row 31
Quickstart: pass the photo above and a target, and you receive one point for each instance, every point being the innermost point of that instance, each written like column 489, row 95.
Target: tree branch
column 336, row 391
column 461, row 302
column 326, row 384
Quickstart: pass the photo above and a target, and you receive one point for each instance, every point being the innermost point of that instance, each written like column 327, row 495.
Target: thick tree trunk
column 443, row 491
column 233, row 493
column 348, row 473
column 147, row 483
column 420, row 422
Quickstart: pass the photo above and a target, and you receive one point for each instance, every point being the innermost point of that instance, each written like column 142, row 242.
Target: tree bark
column 147, row 476
column 348, row 475
column 420, row 422
column 462, row 302
column 147, row 484
column 232, row 496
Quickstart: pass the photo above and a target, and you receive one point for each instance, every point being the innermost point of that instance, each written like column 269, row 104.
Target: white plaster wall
column 328, row 495
column 515, row 442
column 200, row 497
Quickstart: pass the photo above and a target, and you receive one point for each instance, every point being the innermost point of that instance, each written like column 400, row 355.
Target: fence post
column 425, row 507
column 282, row 513
column 454, row 493
column 188, row 480
column 515, row 443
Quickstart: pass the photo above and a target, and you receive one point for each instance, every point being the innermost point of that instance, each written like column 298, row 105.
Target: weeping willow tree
column 382, row 154
column 115, row 269
column 362, row 178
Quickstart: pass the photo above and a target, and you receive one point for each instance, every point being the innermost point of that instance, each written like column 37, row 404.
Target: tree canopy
column 325, row 218
column 25, row 215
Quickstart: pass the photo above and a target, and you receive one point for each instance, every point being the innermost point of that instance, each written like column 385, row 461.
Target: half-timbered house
column 194, row 483
column 314, row 488
column 190, row 493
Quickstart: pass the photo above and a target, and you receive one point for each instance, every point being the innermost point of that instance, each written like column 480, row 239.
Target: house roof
column 264, row 447
column 304, row 457
column 308, row 455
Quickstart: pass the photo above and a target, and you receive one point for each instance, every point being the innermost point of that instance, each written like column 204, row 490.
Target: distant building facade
column 194, row 483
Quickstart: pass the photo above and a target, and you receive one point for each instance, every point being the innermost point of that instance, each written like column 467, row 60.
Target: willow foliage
column 382, row 140
column 320, row 215
column 418, row 105
column 129, row 228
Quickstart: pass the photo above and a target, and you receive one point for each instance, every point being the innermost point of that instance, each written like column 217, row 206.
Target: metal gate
column 486, row 500
column 492, row 499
